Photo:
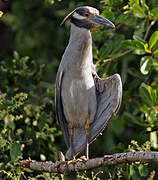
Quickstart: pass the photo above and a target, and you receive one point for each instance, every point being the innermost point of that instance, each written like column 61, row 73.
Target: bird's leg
column 71, row 136
column 87, row 136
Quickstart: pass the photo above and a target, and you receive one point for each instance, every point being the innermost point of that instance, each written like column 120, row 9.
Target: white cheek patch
column 77, row 16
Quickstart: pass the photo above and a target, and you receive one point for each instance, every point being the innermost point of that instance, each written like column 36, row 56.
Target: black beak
column 102, row 21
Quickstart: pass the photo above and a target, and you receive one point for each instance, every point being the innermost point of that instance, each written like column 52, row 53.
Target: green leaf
column 15, row 151
column 134, row 172
column 145, row 64
column 16, row 55
column 135, row 45
column 153, row 94
column 130, row 21
column 139, row 51
column 42, row 120
column 119, row 123
column 146, row 47
column 143, row 91
column 135, row 73
column 138, row 11
column 117, row 3
column 143, row 169
column 107, row 13
column 95, row 51
column 107, row 2
column 139, row 32
column 155, row 64
column 3, row 142
column 49, row 2
column 153, row 39
column 121, row 18
column 134, row 119
column 144, row 5
column 105, row 50
column 132, row 2
column 156, row 53
column 154, row 14
column 9, row 119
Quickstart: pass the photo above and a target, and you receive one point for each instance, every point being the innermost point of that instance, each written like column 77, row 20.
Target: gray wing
column 59, row 108
column 109, row 96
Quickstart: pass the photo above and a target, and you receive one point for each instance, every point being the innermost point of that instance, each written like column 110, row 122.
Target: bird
column 85, row 102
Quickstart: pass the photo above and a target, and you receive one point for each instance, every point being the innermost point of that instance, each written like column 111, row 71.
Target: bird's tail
column 79, row 142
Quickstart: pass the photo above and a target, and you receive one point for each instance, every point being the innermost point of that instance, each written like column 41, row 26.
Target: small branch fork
column 82, row 164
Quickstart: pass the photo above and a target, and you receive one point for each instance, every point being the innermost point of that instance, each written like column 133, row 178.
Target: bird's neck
column 81, row 44
column 79, row 33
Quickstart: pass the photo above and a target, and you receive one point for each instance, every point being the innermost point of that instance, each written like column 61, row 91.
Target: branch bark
column 83, row 164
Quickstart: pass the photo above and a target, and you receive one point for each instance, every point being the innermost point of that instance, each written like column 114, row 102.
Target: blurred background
column 31, row 46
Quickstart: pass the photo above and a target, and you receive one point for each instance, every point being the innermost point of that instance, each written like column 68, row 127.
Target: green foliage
column 26, row 125
column 27, row 113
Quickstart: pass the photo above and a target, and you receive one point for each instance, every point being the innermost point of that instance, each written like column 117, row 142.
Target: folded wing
column 109, row 96
column 59, row 109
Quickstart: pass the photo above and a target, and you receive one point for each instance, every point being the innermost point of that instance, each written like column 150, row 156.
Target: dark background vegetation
column 31, row 45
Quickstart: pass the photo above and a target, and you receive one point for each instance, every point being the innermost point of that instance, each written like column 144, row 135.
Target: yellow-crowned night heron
column 84, row 102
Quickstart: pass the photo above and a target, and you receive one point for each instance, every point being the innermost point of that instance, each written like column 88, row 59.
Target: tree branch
column 148, row 29
column 117, row 56
column 82, row 164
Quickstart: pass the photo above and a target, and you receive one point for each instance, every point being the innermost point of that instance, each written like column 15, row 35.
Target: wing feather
column 59, row 108
column 109, row 96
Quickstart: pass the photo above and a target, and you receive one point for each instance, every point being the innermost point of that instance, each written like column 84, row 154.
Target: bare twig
column 119, row 55
column 148, row 29
column 82, row 164
column 119, row 26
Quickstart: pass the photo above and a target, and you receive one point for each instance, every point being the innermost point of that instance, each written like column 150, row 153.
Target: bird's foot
column 61, row 160
column 60, row 163
column 70, row 161
column 83, row 158
column 74, row 160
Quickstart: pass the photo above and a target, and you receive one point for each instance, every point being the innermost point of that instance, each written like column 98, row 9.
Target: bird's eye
column 86, row 14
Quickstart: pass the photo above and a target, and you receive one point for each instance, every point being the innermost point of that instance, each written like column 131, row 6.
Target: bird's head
column 88, row 17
